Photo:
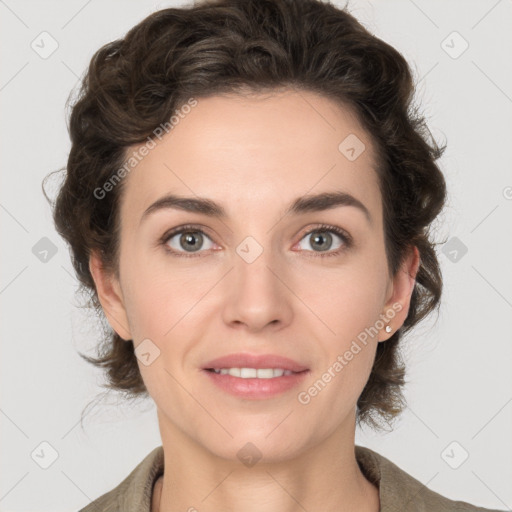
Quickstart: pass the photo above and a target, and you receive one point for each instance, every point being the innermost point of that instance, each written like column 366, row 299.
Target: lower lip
column 256, row 389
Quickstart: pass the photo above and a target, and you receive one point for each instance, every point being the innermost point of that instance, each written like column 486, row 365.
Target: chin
column 256, row 446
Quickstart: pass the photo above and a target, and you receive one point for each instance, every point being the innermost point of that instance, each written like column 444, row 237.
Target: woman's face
column 260, row 280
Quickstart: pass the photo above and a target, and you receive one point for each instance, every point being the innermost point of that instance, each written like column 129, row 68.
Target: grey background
column 459, row 368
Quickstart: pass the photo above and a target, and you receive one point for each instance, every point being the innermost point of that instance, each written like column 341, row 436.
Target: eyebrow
column 304, row 204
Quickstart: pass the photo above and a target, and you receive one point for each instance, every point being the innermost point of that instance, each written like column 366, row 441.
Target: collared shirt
column 398, row 491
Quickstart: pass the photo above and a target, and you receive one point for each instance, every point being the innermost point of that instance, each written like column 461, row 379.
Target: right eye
column 188, row 243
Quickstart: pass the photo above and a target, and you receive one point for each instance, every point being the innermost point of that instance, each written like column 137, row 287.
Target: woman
column 248, row 197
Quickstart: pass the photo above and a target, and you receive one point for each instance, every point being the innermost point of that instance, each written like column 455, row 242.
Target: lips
column 241, row 382
column 261, row 361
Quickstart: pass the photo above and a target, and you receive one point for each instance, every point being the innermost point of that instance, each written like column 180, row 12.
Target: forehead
column 256, row 152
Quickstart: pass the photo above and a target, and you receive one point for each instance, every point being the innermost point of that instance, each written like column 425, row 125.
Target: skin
column 254, row 155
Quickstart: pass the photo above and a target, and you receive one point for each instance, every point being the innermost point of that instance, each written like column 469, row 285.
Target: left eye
column 322, row 239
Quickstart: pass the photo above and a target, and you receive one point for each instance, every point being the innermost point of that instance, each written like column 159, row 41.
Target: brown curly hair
column 134, row 84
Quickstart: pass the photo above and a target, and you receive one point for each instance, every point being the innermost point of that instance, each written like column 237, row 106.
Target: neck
column 326, row 477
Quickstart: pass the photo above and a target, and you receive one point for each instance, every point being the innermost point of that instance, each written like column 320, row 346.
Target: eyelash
column 345, row 237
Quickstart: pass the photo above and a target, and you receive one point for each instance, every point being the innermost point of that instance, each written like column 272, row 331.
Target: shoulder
column 134, row 493
column 400, row 491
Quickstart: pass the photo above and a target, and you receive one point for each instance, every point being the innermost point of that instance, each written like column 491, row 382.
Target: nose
column 257, row 294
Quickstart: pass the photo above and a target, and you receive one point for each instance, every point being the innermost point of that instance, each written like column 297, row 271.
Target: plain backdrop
column 459, row 364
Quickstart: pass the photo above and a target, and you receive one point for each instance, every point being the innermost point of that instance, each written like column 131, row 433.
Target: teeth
column 253, row 373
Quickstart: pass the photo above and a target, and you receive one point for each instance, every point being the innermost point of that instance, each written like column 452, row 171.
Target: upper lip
column 241, row 360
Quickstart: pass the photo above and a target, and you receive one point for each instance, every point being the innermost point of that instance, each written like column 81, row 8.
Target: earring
column 388, row 328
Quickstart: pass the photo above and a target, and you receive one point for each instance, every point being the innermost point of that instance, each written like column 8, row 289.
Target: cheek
column 350, row 305
column 330, row 396
column 157, row 295
column 147, row 306
column 340, row 377
column 350, row 299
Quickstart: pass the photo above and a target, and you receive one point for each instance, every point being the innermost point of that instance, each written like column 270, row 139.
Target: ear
column 110, row 296
column 401, row 288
